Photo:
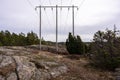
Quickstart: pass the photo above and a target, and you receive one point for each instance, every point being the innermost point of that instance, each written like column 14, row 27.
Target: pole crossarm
column 57, row 6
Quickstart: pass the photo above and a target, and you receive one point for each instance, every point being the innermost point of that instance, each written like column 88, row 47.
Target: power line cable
column 80, row 6
column 67, row 14
column 32, row 6
column 50, row 2
column 52, row 10
column 30, row 3
column 70, row 2
column 66, row 17
column 61, row 2
column 81, row 3
column 47, row 18
column 40, row 2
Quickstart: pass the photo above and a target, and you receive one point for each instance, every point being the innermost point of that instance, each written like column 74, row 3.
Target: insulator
column 60, row 8
column 68, row 9
column 52, row 8
column 44, row 8
column 35, row 9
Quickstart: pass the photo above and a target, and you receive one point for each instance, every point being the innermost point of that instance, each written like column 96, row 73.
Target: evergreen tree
column 22, row 39
column 15, row 39
column 7, row 38
column 74, row 45
column 105, row 50
column 1, row 38
column 32, row 38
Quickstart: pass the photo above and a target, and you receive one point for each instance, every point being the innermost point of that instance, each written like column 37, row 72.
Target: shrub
column 75, row 45
column 105, row 50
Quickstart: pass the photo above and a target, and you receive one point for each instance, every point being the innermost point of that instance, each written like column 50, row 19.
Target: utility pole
column 56, row 28
column 52, row 7
column 40, row 29
column 73, row 18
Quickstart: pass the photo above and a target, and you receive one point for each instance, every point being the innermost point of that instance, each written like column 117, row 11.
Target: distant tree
column 75, row 45
column 22, row 39
column 15, row 39
column 7, row 38
column 43, row 41
column 1, row 38
column 32, row 38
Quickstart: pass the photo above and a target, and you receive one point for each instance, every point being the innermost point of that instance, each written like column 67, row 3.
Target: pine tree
column 105, row 50
column 74, row 45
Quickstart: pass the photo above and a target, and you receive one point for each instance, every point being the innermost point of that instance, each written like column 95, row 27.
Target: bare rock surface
column 28, row 63
column 19, row 63
column 61, row 50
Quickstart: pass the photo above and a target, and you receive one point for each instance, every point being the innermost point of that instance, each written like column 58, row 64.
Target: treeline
column 13, row 39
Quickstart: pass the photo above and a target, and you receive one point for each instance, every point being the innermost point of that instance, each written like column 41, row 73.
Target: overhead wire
column 47, row 18
column 76, row 15
column 70, row 2
column 50, row 2
column 66, row 19
column 80, row 6
column 61, row 2
column 32, row 6
column 52, row 9
column 48, row 21
column 67, row 13
column 40, row 2
column 81, row 3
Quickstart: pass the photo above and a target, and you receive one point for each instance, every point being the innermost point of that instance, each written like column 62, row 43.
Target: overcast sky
column 93, row 15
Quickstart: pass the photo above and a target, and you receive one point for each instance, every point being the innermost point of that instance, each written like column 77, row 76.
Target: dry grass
column 78, row 70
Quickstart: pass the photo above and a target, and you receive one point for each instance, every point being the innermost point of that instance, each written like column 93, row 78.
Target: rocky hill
column 28, row 63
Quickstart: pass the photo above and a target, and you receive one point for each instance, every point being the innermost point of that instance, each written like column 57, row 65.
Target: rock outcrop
column 52, row 49
column 18, row 63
